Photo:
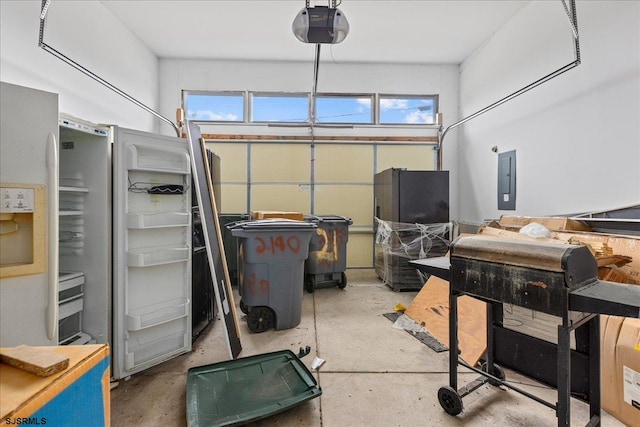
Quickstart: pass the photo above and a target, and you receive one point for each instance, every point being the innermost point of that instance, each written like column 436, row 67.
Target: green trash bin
column 271, row 254
column 327, row 262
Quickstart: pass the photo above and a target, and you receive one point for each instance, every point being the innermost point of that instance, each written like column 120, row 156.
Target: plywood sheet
column 430, row 308
column 22, row 393
column 42, row 362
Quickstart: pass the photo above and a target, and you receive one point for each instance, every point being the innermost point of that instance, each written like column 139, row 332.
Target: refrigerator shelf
column 157, row 314
column 79, row 339
column 70, row 308
column 71, row 338
column 70, row 236
column 66, row 297
column 69, row 189
column 70, row 286
column 70, row 213
column 148, row 258
column 143, row 158
column 154, row 352
column 158, row 219
column 69, row 279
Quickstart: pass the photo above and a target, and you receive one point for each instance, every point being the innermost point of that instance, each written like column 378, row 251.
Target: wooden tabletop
column 21, row 390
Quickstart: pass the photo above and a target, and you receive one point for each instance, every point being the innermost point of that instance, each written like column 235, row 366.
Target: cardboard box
column 621, row 245
column 629, row 247
column 615, row 274
column 298, row 216
column 488, row 231
column 620, row 368
column 513, row 222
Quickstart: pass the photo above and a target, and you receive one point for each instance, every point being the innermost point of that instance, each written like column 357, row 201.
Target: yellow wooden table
column 78, row 395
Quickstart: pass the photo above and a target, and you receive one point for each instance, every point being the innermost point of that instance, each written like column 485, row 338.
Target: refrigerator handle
column 52, row 238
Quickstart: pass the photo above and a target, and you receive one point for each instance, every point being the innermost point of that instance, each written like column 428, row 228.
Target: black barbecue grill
column 552, row 278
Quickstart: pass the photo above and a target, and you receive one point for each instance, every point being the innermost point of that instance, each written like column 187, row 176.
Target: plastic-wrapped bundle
column 398, row 243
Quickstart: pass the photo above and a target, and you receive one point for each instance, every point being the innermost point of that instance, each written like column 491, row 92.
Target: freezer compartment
column 81, row 339
column 70, row 328
column 156, row 314
column 70, row 294
column 151, row 257
column 70, row 308
column 158, row 219
column 144, row 158
column 150, row 353
column 85, row 239
column 70, row 286
column 70, row 320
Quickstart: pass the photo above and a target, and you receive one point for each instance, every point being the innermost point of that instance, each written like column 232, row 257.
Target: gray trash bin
column 271, row 254
column 327, row 260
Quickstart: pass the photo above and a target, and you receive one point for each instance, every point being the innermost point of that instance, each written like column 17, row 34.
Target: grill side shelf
column 602, row 297
column 438, row 266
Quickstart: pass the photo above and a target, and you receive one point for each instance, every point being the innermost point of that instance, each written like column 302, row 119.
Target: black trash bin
column 327, row 260
column 230, row 243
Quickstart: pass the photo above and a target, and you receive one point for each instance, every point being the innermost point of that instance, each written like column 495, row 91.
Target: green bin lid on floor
column 239, row 391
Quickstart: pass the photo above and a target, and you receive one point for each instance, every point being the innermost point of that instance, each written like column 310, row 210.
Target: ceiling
column 418, row 31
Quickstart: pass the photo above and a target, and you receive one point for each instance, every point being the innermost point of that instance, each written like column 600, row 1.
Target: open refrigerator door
column 152, row 250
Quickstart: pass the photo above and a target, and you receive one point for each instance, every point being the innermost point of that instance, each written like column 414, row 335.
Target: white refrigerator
column 28, row 218
column 120, row 256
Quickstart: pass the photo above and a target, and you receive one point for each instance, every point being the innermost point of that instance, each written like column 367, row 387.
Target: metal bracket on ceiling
column 87, row 72
column 45, row 9
column 573, row 20
column 332, row 4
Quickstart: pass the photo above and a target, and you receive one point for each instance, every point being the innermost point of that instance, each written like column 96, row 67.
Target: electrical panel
column 507, row 180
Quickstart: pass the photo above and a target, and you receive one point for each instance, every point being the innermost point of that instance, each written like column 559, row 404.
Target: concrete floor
column 374, row 374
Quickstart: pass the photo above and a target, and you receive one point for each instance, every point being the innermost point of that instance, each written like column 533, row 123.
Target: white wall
column 89, row 34
column 577, row 137
column 176, row 75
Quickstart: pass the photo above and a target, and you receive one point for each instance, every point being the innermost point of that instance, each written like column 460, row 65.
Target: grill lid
column 539, row 255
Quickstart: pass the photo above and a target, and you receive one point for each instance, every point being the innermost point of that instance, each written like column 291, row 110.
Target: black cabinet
column 402, row 199
column 412, row 196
